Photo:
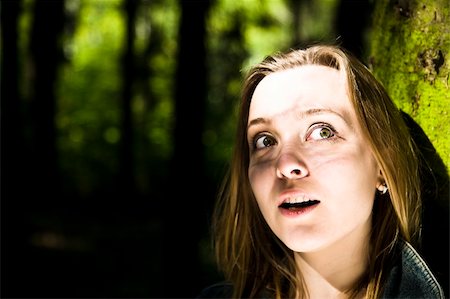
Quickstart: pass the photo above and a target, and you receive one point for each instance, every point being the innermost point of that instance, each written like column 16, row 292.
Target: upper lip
column 292, row 196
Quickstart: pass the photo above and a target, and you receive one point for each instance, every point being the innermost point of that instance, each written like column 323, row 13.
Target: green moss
column 410, row 55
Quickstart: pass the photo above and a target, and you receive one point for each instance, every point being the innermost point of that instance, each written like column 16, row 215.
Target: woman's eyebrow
column 257, row 121
column 304, row 114
column 315, row 111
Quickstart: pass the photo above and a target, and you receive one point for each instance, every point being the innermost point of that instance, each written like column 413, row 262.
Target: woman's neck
column 333, row 271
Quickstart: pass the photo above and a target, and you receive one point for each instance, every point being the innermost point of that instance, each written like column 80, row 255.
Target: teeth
column 297, row 199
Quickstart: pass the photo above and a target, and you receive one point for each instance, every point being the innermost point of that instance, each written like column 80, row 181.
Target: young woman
column 323, row 196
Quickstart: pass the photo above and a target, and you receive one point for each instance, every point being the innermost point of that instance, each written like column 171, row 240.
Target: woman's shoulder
column 217, row 290
column 411, row 277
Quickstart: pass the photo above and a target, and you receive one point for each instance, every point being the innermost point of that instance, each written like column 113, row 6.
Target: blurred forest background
column 118, row 118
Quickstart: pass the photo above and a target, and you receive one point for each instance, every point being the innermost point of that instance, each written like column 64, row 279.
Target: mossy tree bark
column 410, row 54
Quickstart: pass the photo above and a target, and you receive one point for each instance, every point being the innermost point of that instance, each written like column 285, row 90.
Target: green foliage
column 318, row 19
column 89, row 94
column 89, row 90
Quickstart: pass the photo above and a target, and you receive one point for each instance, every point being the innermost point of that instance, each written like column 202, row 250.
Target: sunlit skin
column 306, row 144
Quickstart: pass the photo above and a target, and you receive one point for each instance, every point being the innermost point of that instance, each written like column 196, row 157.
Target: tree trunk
column 126, row 172
column 184, row 196
column 14, row 229
column 410, row 55
column 46, row 53
column 351, row 25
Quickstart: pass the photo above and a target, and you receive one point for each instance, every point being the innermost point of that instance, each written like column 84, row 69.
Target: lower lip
column 298, row 212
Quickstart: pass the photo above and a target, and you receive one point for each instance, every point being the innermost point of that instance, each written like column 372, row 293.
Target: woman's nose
column 291, row 166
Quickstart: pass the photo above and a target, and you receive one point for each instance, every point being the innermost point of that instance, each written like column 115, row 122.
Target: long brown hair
column 247, row 251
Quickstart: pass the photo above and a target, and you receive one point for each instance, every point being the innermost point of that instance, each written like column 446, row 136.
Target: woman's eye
column 264, row 141
column 321, row 132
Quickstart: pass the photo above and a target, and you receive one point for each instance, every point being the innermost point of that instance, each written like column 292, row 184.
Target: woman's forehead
column 300, row 88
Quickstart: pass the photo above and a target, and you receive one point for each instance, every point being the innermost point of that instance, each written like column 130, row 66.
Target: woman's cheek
column 260, row 179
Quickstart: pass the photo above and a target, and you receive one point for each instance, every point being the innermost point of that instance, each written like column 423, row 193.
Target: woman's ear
column 381, row 183
column 380, row 178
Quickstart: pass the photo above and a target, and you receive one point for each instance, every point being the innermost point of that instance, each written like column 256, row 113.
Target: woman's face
column 312, row 173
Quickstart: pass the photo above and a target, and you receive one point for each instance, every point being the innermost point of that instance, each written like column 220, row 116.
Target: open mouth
column 298, row 206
